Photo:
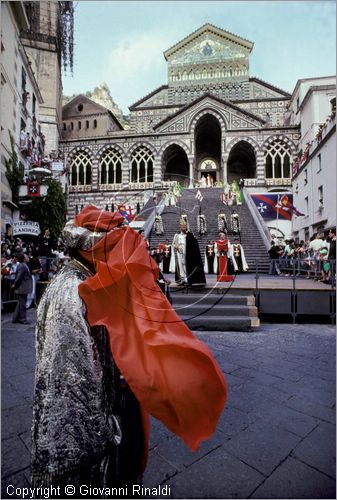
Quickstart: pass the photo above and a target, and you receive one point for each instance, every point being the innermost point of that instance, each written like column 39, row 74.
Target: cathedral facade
column 210, row 118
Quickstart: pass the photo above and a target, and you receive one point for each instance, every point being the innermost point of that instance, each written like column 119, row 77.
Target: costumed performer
column 110, row 350
column 223, row 263
column 186, row 261
column 237, row 255
column 209, row 258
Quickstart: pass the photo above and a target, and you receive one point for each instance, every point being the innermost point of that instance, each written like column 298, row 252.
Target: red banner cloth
column 173, row 375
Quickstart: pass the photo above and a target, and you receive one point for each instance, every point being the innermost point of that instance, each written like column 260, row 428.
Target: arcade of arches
column 176, row 166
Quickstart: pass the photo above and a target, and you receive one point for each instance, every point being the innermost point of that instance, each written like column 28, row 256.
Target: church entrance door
column 207, row 140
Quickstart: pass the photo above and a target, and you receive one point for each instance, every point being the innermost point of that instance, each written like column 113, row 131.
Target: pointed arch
column 80, row 167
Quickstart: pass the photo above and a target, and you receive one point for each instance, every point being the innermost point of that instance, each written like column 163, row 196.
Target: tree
column 14, row 171
column 49, row 211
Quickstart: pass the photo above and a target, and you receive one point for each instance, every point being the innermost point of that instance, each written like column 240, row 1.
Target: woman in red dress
column 221, row 248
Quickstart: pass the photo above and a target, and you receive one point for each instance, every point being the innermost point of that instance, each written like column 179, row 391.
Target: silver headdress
column 80, row 237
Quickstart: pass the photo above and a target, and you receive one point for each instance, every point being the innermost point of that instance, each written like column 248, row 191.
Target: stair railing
column 262, row 228
column 157, row 210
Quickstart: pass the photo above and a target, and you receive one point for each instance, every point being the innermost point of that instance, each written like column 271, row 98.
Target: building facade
column 313, row 106
column 210, row 118
column 36, row 38
column 21, row 100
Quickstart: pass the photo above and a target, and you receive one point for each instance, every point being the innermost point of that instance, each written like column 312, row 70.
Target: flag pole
column 277, row 209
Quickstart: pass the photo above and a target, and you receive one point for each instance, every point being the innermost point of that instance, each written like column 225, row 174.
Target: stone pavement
column 275, row 438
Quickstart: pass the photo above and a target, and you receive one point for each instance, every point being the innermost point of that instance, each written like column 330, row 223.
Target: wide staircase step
column 216, row 312
column 211, row 205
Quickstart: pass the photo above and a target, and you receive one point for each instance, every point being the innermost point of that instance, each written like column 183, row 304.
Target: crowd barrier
column 298, row 270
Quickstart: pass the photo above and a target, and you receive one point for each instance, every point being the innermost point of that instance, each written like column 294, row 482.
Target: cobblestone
column 275, row 438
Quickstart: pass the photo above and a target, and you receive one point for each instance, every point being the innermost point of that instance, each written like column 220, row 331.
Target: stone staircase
column 251, row 239
column 209, row 311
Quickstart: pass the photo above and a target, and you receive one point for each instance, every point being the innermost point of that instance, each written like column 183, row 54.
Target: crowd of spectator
column 45, row 255
column 313, row 259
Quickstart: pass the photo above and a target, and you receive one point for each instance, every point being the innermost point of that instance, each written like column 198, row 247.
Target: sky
column 121, row 43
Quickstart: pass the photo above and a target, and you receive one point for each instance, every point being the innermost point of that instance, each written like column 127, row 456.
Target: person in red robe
column 223, row 264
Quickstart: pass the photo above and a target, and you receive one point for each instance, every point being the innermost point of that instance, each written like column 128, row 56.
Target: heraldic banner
column 275, row 205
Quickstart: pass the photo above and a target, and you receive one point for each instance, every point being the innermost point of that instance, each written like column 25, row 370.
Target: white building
column 313, row 106
column 20, row 101
column 35, row 40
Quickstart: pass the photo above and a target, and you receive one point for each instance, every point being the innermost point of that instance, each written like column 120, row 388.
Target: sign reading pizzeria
column 26, row 227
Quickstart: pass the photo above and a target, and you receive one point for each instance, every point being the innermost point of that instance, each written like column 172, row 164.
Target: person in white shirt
column 315, row 246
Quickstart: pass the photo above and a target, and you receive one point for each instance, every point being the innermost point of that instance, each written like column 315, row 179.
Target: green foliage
column 49, row 211
column 14, row 171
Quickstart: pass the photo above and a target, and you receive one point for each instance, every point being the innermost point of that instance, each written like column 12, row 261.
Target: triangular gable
column 208, row 43
column 90, row 107
column 150, row 99
column 262, row 89
column 234, row 117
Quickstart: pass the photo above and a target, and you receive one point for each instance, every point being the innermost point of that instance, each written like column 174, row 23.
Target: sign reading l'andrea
column 26, row 227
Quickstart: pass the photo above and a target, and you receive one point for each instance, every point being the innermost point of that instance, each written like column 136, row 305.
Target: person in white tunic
column 179, row 247
column 186, row 261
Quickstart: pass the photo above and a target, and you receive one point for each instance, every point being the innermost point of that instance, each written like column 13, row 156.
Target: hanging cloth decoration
column 222, row 222
column 158, row 225
column 202, row 224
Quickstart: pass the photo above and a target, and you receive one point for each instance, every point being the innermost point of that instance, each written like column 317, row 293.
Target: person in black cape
column 186, row 261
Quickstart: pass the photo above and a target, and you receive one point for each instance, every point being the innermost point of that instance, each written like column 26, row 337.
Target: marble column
column 260, row 169
column 126, row 172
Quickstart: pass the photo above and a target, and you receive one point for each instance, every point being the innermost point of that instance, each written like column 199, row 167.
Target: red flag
column 33, row 188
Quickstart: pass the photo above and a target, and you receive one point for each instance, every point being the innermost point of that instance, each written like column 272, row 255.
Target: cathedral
column 210, row 119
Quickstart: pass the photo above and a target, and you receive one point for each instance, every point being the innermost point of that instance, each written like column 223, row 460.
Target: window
column 305, row 177
column 80, row 107
column 72, row 125
column 306, row 204
column 87, row 124
column 110, row 167
column 297, row 104
column 64, row 126
column 79, row 125
column 142, row 165
column 320, row 196
column 95, row 123
column 80, row 169
column 277, row 161
column 319, row 161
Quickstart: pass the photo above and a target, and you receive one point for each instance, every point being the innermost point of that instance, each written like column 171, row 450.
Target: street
column 275, row 438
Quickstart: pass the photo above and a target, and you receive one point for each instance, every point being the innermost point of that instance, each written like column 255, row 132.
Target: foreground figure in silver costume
column 87, row 427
